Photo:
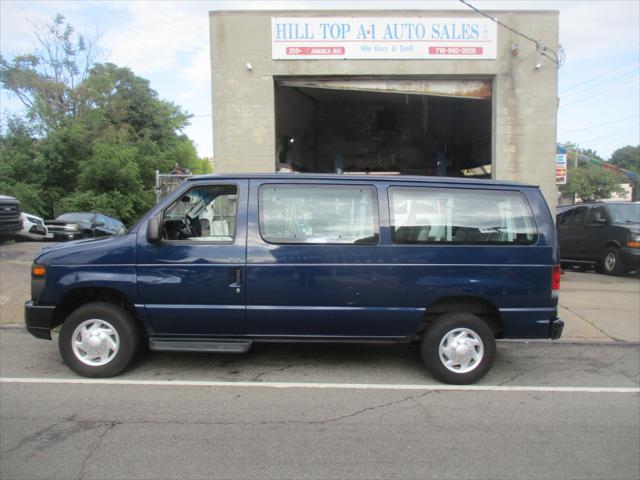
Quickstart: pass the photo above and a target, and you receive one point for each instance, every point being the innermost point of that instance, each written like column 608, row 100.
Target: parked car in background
column 606, row 235
column 33, row 227
column 76, row 225
column 10, row 221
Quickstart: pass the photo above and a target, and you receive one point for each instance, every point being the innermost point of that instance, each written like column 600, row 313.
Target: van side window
column 319, row 214
column 422, row 215
column 203, row 214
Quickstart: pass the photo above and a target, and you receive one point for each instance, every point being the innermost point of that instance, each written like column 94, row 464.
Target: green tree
column 627, row 157
column 22, row 167
column 46, row 80
column 94, row 134
column 591, row 183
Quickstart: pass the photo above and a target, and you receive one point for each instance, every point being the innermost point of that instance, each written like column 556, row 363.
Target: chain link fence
column 167, row 183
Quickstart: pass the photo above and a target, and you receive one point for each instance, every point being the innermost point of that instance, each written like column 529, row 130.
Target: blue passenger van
column 226, row 261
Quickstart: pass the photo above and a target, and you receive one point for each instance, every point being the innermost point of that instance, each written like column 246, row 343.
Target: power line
column 616, row 135
column 579, row 92
column 557, row 56
column 599, row 125
column 599, row 75
column 633, row 80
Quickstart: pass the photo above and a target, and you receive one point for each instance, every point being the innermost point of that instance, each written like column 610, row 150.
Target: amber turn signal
column 38, row 271
column 633, row 244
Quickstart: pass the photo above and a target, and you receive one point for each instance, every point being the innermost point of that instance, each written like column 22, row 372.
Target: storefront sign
column 324, row 38
column 561, row 168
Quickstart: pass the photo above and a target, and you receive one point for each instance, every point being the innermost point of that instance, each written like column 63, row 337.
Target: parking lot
column 565, row 409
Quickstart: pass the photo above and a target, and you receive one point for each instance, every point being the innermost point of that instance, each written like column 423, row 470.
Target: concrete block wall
column 524, row 98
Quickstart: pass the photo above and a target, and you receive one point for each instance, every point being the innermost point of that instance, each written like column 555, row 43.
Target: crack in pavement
column 259, row 376
column 109, row 426
column 57, row 432
column 375, row 407
column 593, row 325
column 511, row 379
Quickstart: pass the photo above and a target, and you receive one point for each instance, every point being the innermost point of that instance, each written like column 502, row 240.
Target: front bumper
column 68, row 235
column 38, row 319
column 38, row 230
column 557, row 326
column 630, row 257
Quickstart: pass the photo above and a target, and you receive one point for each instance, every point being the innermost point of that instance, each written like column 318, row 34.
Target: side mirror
column 98, row 224
column 154, row 229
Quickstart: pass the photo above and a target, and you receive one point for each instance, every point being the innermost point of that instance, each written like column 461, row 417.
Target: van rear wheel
column 99, row 340
column 458, row 348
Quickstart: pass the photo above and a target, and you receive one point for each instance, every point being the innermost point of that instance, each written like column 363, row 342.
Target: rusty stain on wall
column 476, row 89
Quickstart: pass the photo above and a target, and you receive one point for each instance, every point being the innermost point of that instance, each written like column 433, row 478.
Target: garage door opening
column 418, row 127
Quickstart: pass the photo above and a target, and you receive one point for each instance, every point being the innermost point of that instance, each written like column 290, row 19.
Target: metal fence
column 167, row 183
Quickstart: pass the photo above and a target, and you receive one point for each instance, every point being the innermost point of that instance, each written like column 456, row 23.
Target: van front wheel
column 98, row 340
column 611, row 262
column 458, row 348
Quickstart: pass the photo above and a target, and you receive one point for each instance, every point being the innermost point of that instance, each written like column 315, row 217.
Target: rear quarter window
column 424, row 215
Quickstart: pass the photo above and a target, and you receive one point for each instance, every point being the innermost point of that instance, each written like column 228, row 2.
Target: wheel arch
column 77, row 297
column 478, row 306
column 610, row 243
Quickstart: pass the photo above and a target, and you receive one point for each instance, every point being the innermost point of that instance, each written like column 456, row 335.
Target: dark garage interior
column 368, row 129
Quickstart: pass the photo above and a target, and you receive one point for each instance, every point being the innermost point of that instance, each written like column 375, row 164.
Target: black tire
column 611, row 263
column 121, row 321
column 446, row 324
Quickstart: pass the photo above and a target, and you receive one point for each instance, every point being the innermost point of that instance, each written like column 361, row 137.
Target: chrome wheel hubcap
column 95, row 342
column 610, row 261
column 461, row 350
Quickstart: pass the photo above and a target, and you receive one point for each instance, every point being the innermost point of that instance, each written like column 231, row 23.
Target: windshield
column 625, row 213
column 76, row 217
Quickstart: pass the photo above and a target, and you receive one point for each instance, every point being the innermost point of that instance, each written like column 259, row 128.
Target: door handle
column 238, row 280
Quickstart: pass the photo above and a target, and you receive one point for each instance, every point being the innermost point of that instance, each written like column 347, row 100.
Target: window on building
column 319, row 214
column 422, row 215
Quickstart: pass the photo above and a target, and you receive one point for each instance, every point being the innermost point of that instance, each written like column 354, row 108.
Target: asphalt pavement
column 315, row 411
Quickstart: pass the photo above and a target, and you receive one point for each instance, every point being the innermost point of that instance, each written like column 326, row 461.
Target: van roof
column 367, row 178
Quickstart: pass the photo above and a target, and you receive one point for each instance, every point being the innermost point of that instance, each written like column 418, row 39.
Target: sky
column 167, row 42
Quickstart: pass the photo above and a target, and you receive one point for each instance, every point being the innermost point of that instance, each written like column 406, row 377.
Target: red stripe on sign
column 315, row 50
column 455, row 50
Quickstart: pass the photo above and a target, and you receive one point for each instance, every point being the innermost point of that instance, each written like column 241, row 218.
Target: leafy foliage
column 46, row 81
column 591, row 183
column 627, row 157
column 94, row 134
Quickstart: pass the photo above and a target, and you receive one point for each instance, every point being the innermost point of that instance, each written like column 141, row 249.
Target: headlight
column 73, row 227
column 635, row 241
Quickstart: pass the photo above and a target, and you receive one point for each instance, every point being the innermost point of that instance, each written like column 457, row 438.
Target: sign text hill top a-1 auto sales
column 324, row 38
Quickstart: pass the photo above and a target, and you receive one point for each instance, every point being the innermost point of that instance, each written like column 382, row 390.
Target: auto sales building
column 402, row 92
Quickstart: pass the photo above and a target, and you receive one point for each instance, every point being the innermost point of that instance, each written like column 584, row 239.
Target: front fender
column 63, row 280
